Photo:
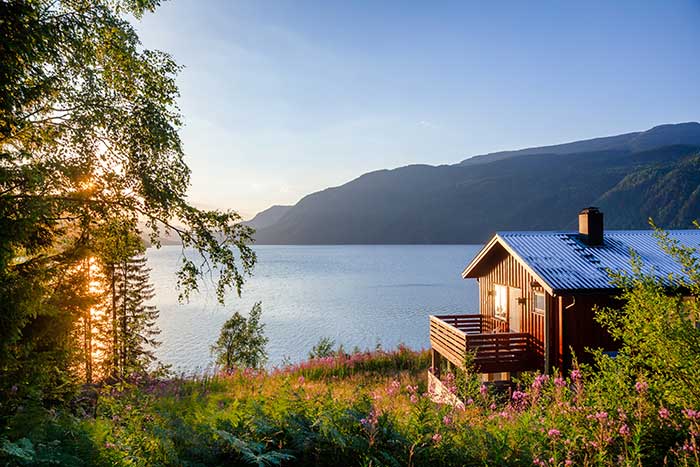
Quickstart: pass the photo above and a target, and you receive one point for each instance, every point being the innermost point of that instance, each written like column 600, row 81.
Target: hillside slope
column 466, row 203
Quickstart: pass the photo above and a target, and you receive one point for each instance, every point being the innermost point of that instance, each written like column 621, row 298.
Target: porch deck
column 495, row 349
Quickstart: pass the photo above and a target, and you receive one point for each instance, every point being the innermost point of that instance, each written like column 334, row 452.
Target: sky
column 284, row 98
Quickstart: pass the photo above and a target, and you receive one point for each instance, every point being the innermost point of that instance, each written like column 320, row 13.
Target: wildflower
column 411, row 389
column 437, row 437
column 553, row 433
column 691, row 414
column 559, row 382
column 447, row 420
column 109, row 445
column 600, row 416
column 625, row 430
column 413, row 398
column 575, row 375
column 539, row 381
column 568, row 462
column 470, row 401
column 301, row 380
column 641, row 386
column 370, row 422
column 664, row 413
column 483, row 390
column 393, row 388
column 519, row 395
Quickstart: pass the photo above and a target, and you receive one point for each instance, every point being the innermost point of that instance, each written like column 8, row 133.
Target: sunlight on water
column 358, row 295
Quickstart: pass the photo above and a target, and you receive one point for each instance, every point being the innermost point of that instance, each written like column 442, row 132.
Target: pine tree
column 128, row 324
column 137, row 334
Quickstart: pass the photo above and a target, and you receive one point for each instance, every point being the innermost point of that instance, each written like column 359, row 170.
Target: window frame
column 539, row 311
column 503, row 314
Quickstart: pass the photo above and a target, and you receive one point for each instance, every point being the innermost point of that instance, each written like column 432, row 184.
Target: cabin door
column 514, row 311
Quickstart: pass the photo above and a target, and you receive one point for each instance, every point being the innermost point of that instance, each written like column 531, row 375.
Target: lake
column 358, row 295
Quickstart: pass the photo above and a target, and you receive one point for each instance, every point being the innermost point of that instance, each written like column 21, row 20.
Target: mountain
column 268, row 217
column 632, row 177
column 662, row 135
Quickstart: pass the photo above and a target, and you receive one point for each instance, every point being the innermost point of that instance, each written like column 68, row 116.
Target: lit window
column 539, row 303
column 501, row 302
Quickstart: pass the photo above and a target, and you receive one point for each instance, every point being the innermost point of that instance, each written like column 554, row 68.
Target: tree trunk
column 87, row 344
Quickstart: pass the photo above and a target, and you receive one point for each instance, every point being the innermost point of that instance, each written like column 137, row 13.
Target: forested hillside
column 466, row 203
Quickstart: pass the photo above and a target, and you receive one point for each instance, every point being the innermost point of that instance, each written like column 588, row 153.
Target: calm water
column 357, row 295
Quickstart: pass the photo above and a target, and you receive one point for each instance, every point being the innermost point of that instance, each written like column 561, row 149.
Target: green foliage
column 323, row 349
column 379, row 417
column 657, row 329
column 242, row 341
column 88, row 140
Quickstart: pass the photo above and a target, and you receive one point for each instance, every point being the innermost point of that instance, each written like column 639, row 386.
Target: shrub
column 242, row 341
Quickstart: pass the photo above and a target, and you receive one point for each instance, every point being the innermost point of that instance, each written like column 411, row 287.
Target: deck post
column 547, row 337
column 435, row 362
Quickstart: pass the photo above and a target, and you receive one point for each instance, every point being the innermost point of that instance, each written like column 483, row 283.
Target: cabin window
column 540, row 303
column 501, row 302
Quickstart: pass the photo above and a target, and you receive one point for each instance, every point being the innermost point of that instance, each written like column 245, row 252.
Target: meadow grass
column 369, row 409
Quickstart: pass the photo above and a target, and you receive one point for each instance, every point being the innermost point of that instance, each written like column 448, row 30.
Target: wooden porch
column 495, row 349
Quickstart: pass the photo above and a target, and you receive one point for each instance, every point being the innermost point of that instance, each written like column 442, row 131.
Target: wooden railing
column 494, row 349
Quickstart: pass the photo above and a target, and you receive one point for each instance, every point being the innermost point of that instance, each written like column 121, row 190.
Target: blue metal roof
column 564, row 262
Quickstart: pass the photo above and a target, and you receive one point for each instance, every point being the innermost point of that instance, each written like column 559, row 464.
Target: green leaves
column 242, row 341
column 89, row 148
column 254, row 453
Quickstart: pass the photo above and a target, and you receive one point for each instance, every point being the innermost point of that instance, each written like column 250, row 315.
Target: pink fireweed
column 393, row 388
column 559, row 382
column 600, row 416
column 553, row 433
column 539, row 381
column 437, row 437
column 624, row 430
column 641, row 387
column 519, row 399
column 370, row 421
column 664, row 413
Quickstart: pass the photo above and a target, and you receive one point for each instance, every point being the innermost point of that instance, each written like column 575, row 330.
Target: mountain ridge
column 670, row 133
column 466, row 203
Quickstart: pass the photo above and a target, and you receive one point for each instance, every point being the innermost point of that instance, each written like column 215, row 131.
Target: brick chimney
column 590, row 226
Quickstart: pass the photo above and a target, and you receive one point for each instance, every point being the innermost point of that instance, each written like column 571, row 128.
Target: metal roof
column 564, row 263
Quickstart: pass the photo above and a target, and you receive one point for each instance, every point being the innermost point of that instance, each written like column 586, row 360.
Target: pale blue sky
column 283, row 98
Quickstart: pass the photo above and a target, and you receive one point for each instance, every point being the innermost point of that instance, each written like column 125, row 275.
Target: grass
column 368, row 409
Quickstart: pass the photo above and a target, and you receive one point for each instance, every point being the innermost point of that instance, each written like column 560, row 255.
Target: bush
column 323, row 349
column 242, row 341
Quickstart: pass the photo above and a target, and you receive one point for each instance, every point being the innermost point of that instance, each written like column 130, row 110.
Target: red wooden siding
column 572, row 323
column 503, row 269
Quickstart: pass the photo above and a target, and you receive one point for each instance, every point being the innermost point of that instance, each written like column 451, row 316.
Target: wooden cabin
column 537, row 294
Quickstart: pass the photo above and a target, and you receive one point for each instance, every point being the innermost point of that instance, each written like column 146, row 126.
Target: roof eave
column 485, row 250
column 479, row 256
